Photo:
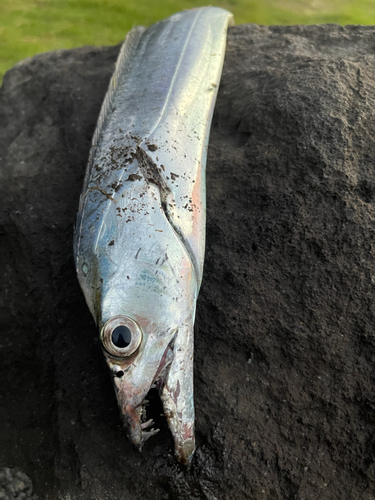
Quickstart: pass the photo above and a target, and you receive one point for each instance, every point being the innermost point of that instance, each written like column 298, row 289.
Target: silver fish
column 140, row 232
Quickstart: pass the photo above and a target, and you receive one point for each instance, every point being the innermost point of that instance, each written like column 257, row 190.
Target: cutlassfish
column 140, row 232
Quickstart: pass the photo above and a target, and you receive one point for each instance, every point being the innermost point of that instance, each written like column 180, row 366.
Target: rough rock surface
column 15, row 485
column 285, row 342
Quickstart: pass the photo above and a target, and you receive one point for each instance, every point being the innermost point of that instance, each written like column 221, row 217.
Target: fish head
column 145, row 312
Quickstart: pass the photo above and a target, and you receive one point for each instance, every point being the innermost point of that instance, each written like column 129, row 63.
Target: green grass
column 28, row 27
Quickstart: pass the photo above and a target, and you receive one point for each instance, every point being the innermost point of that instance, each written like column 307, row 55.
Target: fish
column 139, row 237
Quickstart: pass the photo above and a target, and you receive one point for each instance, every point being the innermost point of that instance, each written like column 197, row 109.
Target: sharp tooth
column 147, row 434
column 147, row 424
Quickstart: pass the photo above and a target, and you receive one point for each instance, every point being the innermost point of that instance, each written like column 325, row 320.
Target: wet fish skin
column 140, row 232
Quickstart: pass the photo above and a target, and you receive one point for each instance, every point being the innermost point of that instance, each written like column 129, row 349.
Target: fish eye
column 121, row 336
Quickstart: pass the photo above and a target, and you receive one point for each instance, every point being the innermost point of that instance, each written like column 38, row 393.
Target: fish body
column 140, row 232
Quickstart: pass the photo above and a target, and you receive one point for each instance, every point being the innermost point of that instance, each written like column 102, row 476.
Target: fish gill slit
column 152, row 174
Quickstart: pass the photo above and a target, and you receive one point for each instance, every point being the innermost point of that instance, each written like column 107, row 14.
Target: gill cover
column 140, row 232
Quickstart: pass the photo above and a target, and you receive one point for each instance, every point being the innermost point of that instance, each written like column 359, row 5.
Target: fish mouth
column 134, row 406
column 172, row 376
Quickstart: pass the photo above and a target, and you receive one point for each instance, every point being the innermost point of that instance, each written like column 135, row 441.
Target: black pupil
column 121, row 336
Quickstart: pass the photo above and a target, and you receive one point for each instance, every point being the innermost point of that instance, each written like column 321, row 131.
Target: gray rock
column 285, row 343
column 15, row 485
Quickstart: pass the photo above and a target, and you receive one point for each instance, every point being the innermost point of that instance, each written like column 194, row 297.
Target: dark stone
column 285, row 342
